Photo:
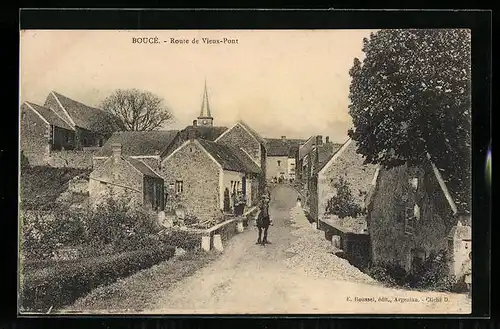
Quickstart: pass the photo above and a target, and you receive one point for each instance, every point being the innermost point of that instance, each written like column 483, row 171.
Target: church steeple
column 205, row 118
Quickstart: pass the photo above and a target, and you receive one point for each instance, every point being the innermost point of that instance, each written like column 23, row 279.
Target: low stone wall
column 71, row 159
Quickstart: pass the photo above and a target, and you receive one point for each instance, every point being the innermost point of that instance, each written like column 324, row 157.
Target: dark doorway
column 244, row 185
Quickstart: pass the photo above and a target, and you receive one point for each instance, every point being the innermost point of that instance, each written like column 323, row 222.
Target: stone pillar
column 218, row 242
column 239, row 226
column 205, row 243
column 459, row 247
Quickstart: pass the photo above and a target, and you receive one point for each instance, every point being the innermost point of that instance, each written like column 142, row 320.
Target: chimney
column 327, row 139
column 117, row 151
column 195, row 122
column 319, row 140
column 283, row 137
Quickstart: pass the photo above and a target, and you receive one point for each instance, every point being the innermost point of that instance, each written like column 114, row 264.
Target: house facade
column 279, row 151
column 242, row 136
column 126, row 179
column 43, row 131
column 413, row 215
column 202, row 176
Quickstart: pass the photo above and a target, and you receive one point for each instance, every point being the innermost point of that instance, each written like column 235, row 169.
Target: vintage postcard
column 245, row 172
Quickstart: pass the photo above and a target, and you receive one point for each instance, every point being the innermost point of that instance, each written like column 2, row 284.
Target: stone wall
column 200, row 179
column 71, row 159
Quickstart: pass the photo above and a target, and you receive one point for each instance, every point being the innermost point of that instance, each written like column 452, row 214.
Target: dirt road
column 255, row 279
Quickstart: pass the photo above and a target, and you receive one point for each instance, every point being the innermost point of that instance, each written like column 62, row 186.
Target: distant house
column 278, row 153
column 412, row 215
column 43, row 131
column 302, row 168
column 292, row 162
column 124, row 178
column 89, row 123
column 202, row 176
column 148, row 146
column 243, row 137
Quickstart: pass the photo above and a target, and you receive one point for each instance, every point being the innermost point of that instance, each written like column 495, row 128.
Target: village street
column 255, row 279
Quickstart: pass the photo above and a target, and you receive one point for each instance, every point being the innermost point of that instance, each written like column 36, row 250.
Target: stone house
column 90, row 124
column 413, row 214
column 202, row 175
column 278, row 153
column 43, row 131
column 125, row 178
column 148, row 146
column 335, row 163
column 243, row 137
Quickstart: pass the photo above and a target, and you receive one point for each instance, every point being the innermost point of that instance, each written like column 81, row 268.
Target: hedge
column 62, row 285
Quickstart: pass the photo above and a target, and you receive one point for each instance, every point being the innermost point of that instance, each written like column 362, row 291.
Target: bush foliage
column 63, row 283
column 432, row 275
column 343, row 203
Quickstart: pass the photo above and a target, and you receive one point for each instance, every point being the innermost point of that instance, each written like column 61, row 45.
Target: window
column 104, row 183
column 179, row 186
column 279, row 163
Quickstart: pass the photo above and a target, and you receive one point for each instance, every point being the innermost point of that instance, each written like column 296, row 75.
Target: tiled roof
column 459, row 193
column 83, row 116
column 142, row 167
column 325, row 153
column 202, row 132
column 281, row 147
column 224, row 155
column 245, row 159
column 50, row 116
column 137, row 143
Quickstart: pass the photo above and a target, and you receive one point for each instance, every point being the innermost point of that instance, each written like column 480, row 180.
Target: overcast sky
column 292, row 83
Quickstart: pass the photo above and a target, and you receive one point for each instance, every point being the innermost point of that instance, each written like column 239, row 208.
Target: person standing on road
column 468, row 273
column 263, row 221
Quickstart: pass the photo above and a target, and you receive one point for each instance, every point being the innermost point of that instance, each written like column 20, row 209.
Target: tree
column 137, row 110
column 343, row 204
column 411, row 98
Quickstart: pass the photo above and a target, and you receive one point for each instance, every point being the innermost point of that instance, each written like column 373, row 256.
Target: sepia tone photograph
column 245, row 172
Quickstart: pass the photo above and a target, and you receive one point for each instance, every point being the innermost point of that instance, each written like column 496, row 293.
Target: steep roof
column 142, row 167
column 210, row 133
column 50, row 116
column 281, row 146
column 137, row 143
column 246, row 160
column 325, row 153
column 82, row 115
column 224, row 155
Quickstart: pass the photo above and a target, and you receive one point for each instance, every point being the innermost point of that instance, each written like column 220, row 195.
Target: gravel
column 314, row 254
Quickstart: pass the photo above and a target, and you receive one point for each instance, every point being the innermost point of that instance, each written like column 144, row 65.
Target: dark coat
column 263, row 219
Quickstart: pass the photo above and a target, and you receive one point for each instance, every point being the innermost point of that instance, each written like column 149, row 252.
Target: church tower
column 205, row 118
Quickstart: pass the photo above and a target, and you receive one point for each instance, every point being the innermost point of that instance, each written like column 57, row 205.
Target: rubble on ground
column 314, row 255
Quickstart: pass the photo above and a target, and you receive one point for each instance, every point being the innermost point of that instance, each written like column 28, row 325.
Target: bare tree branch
column 137, row 110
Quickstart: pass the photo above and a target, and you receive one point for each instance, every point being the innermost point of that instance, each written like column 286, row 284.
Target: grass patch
column 141, row 290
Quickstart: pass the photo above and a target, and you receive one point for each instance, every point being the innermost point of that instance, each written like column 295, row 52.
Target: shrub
column 343, row 203
column 182, row 239
column 62, row 284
